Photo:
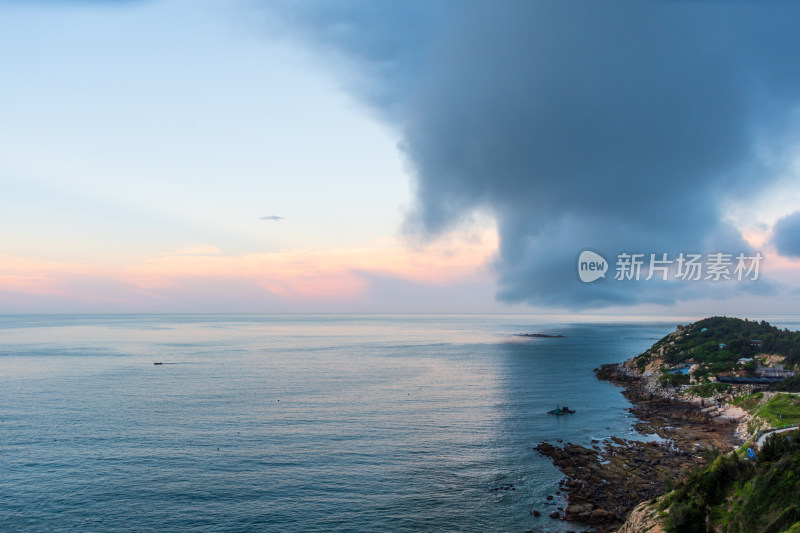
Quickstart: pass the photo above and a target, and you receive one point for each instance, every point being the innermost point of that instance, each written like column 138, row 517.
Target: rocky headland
column 606, row 481
column 699, row 392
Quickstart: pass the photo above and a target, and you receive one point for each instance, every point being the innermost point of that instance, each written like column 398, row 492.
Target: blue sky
column 140, row 114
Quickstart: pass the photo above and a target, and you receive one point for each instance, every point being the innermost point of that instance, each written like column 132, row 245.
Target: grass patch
column 748, row 403
column 794, row 529
column 780, row 410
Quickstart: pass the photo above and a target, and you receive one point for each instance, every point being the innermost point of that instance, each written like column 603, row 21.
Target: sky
column 392, row 157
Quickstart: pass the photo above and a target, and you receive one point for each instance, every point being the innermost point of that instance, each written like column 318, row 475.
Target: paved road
column 763, row 438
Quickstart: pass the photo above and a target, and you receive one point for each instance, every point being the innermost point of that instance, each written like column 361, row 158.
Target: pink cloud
column 202, row 276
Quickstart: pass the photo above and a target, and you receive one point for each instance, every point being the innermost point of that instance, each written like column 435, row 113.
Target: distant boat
column 561, row 411
column 158, row 363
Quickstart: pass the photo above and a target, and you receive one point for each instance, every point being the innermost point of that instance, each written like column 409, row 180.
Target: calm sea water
column 295, row 423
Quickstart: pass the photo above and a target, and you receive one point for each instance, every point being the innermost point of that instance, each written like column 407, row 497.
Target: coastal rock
column 643, row 518
column 601, row 516
column 579, row 512
column 606, row 482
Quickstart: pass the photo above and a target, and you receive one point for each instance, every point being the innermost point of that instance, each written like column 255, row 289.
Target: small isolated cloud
column 786, row 235
column 271, row 217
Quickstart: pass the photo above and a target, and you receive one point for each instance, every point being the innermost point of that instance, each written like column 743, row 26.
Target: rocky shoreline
column 606, row 481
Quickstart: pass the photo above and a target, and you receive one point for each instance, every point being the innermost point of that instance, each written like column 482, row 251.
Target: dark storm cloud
column 786, row 235
column 611, row 126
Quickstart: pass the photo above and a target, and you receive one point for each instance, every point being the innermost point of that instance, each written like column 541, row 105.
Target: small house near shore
column 776, row 372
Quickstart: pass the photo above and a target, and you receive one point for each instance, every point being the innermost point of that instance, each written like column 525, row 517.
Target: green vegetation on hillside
column 735, row 495
column 719, row 342
column 791, row 384
column 706, row 390
column 769, row 409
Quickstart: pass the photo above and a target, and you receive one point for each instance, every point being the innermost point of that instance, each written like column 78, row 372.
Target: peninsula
column 714, row 391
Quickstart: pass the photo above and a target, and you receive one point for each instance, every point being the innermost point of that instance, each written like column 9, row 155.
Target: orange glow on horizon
column 296, row 273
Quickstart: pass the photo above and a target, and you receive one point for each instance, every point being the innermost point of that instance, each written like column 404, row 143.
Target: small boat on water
column 561, row 411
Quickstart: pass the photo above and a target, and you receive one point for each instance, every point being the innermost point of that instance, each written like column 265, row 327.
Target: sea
column 298, row 423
